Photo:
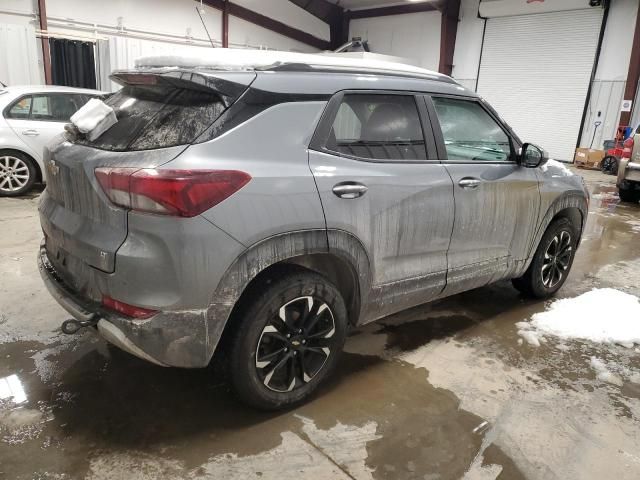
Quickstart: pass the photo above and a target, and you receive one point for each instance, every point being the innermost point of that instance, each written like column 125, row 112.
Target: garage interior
column 458, row 388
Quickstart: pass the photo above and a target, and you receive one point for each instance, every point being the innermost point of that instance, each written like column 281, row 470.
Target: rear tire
column 286, row 340
column 552, row 261
column 629, row 196
column 17, row 173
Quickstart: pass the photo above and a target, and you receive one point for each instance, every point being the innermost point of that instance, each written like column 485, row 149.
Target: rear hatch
column 159, row 114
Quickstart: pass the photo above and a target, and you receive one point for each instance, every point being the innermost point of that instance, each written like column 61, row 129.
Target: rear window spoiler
column 228, row 85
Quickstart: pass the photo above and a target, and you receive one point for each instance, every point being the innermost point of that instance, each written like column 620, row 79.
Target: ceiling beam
column 225, row 25
column 46, row 54
column 395, row 10
column 448, row 34
column 270, row 24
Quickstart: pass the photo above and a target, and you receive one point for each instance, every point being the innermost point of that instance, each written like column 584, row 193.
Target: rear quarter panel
column 272, row 147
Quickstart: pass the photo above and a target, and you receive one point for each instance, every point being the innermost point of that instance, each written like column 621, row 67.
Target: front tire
column 17, row 174
column 552, row 261
column 287, row 341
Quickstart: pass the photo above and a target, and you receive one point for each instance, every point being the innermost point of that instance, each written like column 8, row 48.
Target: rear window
column 157, row 117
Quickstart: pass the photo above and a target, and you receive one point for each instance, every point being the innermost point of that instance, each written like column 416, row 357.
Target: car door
column 47, row 115
column 374, row 161
column 496, row 199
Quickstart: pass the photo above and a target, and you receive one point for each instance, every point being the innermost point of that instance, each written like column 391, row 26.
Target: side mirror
column 532, row 156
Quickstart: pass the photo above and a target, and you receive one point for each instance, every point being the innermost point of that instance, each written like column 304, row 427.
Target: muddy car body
column 334, row 196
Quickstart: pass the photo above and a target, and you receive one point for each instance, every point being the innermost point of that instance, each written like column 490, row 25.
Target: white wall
column 168, row 23
column 243, row 32
column 415, row 36
column 290, row 14
column 24, row 68
column 466, row 57
column 610, row 81
column 19, row 7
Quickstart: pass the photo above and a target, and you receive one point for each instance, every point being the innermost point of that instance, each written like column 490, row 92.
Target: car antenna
column 200, row 10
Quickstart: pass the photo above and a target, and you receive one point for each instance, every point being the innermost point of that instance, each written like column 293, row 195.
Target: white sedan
column 30, row 117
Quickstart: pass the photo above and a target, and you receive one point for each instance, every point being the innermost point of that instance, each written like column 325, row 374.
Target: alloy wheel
column 295, row 344
column 556, row 259
column 14, row 174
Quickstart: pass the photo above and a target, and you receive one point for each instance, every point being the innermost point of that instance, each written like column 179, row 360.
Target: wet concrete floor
column 442, row 391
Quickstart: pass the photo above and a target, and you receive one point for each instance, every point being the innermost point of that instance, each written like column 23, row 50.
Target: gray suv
column 260, row 213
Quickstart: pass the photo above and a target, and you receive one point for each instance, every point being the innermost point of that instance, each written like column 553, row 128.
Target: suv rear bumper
column 175, row 339
column 628, row 172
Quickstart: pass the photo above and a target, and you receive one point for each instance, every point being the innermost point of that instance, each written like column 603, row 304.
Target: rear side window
column 157, row 117
column 378, row 127
column 52, row 107
column 55, row 107
column 20, row 110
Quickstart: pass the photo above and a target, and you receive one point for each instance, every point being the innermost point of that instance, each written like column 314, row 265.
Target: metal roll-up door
column 535, row 71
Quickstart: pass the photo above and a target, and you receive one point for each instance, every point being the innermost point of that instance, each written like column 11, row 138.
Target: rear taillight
column 183, row 193
column 126, row 309
column 627, row 147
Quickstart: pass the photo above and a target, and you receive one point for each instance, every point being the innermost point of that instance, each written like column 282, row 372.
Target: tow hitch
column 72, row 326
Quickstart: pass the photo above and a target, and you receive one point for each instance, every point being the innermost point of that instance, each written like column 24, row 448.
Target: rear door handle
column 349, row 190
column 469, row 183
column 30, row 133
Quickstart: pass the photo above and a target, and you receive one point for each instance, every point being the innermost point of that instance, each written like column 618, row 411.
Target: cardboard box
column 589, row 157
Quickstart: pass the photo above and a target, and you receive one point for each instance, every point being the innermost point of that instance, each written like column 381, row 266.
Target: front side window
column 20, row 110
column 470, row 133
column 379, row 127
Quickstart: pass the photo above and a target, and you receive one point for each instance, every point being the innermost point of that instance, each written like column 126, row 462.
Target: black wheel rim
column 557, row 259
column 295, row 344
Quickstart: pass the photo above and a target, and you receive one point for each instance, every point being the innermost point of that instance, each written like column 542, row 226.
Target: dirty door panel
column 497, row 201
column 403, row 212
column 494, row 222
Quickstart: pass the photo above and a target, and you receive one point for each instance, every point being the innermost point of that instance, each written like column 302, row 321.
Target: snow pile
column 603, row 373
column 94, row 118
column 245, row 59
column 602, row 315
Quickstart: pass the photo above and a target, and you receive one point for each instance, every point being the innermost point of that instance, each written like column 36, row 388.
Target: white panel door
column 535, row 71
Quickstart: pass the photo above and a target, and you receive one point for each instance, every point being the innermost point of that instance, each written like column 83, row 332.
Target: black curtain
column 72, row 63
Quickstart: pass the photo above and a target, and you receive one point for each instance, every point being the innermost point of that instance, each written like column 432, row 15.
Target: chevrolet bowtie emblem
column 53, row 167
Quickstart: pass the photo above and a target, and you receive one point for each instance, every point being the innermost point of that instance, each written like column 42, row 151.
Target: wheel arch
column 570, row 205
column 336, row 255
column 39, row 172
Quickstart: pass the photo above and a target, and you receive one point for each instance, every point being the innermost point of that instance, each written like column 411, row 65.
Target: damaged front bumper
column 176, row 339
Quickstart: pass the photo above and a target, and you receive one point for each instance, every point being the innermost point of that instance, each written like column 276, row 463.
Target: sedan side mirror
column 532, row 156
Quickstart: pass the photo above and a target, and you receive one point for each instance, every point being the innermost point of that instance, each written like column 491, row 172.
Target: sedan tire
column 17, row 173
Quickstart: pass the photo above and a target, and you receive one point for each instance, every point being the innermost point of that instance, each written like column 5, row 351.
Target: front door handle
column 349, row 190
column 30, row 133
column 469, row 183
